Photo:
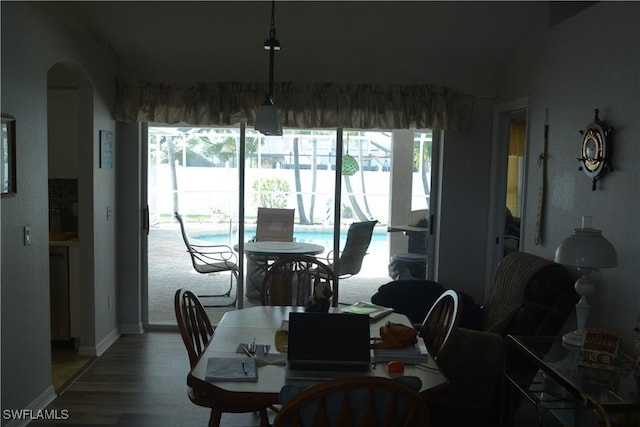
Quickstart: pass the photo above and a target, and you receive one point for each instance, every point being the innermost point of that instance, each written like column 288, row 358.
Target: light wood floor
column 140, row 381
column 66, row 364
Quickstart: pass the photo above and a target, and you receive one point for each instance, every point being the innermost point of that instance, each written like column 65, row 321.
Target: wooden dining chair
column 440, row 323
column 292, row 281
column 195, row 327
column 355, row 401
column 196, row 331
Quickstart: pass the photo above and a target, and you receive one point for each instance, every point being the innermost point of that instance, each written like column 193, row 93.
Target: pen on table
column 247, row 352
column 244, row 367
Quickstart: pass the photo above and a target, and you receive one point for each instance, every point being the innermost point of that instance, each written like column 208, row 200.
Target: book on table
column 374, row 311
column 221, row 369
column 412, row 354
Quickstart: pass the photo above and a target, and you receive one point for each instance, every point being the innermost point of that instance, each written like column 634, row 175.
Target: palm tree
column 422, row 162
column 362, row 215
column 296, row 171
column 170, row 150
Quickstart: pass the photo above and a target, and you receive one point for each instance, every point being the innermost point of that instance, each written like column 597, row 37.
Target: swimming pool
column 320, row 237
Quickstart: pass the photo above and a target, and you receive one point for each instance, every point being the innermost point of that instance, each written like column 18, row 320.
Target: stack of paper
column 221, row 369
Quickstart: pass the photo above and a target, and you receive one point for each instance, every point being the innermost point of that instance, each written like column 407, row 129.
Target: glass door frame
column 241, row 207
column 337, row 204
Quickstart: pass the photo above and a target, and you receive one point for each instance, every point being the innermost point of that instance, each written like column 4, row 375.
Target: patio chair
column 275, row 225
column 358, row 240
column 212, row 259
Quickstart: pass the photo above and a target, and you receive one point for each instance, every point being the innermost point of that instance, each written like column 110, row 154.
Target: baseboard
column 132, row 328
column 107, row 341
column 101, row 347
column 35, row 410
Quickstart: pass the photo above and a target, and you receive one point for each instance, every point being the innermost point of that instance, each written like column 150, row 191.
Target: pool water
column 324, row 238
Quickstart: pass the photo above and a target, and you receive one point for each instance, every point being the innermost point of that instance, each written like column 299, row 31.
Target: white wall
column 31, row 45
column 464, row 196
column 129, row 223
column 589, row 61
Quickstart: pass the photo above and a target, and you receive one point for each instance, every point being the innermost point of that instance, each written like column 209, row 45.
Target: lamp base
column 573, row 338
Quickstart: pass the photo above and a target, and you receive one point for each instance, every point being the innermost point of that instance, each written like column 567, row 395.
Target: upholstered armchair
column 530, row 296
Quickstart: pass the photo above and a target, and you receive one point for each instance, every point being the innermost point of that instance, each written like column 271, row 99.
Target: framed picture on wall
column 106, row 149
column 8, row 156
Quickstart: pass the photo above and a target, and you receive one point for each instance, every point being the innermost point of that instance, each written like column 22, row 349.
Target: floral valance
column 301, row 105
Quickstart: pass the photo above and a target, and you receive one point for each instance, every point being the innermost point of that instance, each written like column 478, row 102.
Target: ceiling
column 223, row 40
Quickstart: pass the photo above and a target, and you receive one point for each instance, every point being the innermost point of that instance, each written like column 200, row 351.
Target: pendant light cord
column 272, row 42
column 272, row 32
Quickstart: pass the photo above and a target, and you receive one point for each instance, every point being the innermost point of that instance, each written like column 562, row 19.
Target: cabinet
column 545, row 373
column 59, row 292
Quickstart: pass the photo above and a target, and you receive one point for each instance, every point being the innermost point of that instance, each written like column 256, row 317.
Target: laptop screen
column 329, row 337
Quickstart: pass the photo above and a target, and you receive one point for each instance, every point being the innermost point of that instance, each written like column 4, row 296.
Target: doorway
column 508, row 172
column 514, row 181
column 69, row 107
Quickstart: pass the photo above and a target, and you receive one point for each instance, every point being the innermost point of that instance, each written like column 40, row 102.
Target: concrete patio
column 170, row 269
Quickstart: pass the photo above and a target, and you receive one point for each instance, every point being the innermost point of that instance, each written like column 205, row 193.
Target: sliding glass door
column 198, row 172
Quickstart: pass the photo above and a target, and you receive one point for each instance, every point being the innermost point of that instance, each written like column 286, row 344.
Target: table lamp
column 587, row 250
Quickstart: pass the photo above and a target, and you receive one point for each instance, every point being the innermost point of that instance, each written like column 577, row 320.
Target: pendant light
column 267, row 118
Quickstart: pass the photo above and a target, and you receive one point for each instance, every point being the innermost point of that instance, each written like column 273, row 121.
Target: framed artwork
column 106, row 149
column 8, row 156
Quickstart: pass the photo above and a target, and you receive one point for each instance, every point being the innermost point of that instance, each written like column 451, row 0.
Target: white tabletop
column 261, row 323
column 282, row 248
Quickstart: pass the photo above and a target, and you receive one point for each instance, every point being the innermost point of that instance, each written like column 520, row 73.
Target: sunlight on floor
column 66, row 365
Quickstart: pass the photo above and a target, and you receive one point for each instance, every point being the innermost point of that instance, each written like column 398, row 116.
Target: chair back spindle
column 355, row 401
column 292, row 281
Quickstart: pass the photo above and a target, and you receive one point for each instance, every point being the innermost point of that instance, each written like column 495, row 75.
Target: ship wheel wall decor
column 595, row 158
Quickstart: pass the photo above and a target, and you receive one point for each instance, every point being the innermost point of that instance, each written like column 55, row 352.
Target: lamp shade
column 267, row 118
column 586, row 248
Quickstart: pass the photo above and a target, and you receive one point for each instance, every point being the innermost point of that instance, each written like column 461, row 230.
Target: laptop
column 327, row 345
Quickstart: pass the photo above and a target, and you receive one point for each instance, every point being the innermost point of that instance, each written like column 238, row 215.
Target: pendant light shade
column 267, row 118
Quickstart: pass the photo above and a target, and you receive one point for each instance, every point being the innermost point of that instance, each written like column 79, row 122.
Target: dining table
column 259, row 326
column 260, row 254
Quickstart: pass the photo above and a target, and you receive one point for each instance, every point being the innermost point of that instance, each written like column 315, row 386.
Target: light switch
column 27, row 235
